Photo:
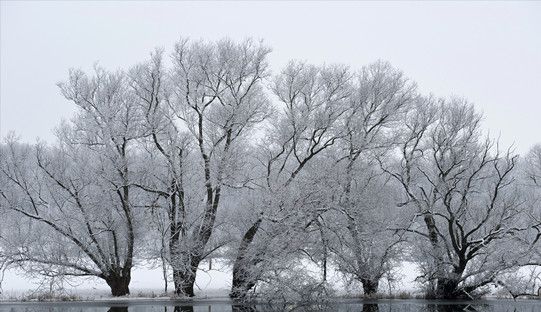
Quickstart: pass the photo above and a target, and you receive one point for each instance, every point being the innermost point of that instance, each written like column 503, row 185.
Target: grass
column 41, row 297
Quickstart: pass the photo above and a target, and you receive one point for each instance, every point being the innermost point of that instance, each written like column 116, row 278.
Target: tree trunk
column 447, row 288
column 431, row 290
column 443, row 287
column 184, row 267
column 241, row 286
column 183, row 278
column 164, row 273
column 186, row 287
column 242, row 279
column 184, row 282
column 370, row 287
column 119, row 284
column 325, row 266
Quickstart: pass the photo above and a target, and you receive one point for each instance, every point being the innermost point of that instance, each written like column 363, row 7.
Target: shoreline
column 163, row 301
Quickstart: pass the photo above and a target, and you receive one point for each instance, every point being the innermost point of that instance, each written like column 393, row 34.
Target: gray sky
column 488, row 52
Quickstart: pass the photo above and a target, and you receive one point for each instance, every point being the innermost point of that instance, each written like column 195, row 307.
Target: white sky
column 489, row 52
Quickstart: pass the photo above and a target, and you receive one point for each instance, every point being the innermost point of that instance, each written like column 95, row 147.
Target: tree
column 364, row 245
column 381, row 96
column 203, row 155
column 81, row 190
column 525, row 280
column 463, row 199
column 313, row 99
column 533, row 176
column 199, row 116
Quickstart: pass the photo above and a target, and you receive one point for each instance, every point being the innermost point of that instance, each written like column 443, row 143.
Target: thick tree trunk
column 370, row 287
column 164, row 274
column 186, row 287
column 184, row 282
column 431, row 290
column 119, row 284
column 243, row 281
column 183, row 278
column 240, row 288
column 447, row 288
column 443, row 287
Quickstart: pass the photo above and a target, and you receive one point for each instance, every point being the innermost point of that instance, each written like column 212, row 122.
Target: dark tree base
column 370, row 287
column 119, row 285
column 184, row 284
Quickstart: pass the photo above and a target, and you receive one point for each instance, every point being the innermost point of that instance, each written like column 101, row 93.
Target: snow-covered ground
column 148, row 282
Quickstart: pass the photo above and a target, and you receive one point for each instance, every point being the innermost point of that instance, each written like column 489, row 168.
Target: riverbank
column 171, row 300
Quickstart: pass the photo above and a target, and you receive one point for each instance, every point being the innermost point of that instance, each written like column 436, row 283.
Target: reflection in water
column 370, row 307
column 377, row 307
column 461, row 308
column 341, row 306
column 456, row 308
column 243, row 308
column 356, row 307
column 118, row 309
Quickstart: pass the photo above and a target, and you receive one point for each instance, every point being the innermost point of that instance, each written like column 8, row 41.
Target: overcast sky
column 488, row 52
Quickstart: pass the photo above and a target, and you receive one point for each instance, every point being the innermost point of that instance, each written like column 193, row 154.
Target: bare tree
column 81, row 189
column 180, row 160
column 313, row 99
column 465, row 203
column 382, row 95
column 364, row 245
column 525, row 281
column 533, row 177
column 199, row 115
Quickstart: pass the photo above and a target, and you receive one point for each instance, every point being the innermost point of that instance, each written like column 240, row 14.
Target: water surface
column 339, row 306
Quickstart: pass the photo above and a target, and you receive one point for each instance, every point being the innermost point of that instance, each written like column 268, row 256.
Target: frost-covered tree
column 525, row 280
column 364, row 243
column 533, row 176
column 464, row 202
column 312, row 100
column 199, row 114
column 80, row 190
column 381, row 96
column 203, row 154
